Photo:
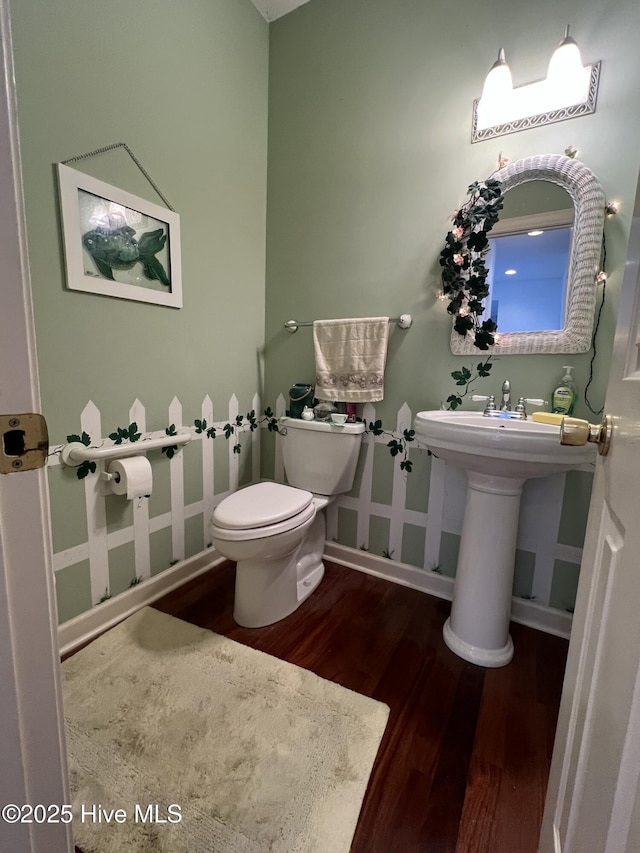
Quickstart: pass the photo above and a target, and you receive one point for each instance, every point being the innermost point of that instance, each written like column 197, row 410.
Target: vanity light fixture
column 569, row 90
column 535, row 233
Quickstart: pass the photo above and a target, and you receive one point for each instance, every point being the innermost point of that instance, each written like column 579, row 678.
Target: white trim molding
column 85, row 627
column 88, row 625
column 32, row 744
column 523, row 611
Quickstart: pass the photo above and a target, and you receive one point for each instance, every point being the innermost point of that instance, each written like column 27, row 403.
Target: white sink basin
column 496, row 446
column 498, row 455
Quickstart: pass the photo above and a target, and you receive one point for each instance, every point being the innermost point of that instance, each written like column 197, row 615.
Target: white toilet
column 276, row 533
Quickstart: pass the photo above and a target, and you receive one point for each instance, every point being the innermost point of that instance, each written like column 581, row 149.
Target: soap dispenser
column 564, row 395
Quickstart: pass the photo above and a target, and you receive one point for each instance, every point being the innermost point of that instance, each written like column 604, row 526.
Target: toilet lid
column 260, row 505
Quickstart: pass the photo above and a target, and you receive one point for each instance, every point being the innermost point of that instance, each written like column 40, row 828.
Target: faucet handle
column 490, row 401
column 534, row 401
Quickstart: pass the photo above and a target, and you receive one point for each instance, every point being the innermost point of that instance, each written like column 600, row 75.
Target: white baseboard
column 524, row 612
column 391, row 570
column 88, row 625
column 83, row 628
column 547, row 619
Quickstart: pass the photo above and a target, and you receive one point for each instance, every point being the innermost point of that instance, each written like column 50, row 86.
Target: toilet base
column 309, row 581
column 268, row 590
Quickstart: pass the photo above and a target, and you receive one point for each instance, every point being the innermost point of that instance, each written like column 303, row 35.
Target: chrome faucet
column 504, row 411
column 505, row 405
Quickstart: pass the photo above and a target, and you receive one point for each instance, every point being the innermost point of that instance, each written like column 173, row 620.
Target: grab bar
column 404, row 321
column 75, row 453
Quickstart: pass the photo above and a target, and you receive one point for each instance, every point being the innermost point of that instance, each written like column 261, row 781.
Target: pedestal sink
column 498, row 455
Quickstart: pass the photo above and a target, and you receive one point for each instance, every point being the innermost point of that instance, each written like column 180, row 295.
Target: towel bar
column 404, row 321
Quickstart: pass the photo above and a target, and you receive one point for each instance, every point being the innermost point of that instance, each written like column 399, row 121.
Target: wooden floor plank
column 478, row 823
column 464, row 761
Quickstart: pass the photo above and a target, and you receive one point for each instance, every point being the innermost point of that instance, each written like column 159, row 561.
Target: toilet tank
column 318, row 455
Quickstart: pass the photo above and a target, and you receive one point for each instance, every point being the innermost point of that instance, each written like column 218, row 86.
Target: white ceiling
column 272, row 9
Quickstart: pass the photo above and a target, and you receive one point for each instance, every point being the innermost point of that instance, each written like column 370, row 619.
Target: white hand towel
column 350, row 358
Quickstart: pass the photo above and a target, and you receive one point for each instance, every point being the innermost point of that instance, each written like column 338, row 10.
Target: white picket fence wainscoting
column 438, row 519
column 100, row 540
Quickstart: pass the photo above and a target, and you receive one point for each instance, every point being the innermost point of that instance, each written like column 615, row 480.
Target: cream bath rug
column 182, row 741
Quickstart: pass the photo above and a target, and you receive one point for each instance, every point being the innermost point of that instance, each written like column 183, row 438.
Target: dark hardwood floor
column 464, row 761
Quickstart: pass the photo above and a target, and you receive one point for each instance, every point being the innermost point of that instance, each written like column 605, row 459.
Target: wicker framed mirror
column 583, row 264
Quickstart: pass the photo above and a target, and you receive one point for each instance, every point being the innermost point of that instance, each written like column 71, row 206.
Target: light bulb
column 497, row 92
column 567, row 78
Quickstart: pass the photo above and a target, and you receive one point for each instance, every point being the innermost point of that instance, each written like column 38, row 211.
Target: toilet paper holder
column 131, row 477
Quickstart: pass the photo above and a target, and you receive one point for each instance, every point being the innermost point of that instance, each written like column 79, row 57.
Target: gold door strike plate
column 24, row 442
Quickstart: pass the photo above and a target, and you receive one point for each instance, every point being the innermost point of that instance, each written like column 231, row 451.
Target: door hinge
column 24, row 443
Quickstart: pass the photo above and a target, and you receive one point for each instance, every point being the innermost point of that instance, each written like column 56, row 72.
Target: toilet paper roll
column 131, row 477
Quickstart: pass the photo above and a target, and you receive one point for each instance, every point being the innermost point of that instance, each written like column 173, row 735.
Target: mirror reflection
column 529, row 259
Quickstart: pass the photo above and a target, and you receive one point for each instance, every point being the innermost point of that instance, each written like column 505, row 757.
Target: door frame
column 32, row 745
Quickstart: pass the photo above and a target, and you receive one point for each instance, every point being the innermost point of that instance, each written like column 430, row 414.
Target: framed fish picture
column 117, row 244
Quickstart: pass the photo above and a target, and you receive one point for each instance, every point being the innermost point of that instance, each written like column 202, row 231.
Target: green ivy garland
column 172, row 449
column 464, row 272
column 87, row 466
column 230, row 429
column 131, row 434
column 398, row 444
column 465, row 378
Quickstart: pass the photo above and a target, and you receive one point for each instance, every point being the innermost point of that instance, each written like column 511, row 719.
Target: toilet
column 276, row 533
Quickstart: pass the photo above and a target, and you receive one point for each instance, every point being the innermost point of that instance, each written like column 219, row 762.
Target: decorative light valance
column 569, row 90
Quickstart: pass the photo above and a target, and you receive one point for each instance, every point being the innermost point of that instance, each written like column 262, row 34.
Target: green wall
column 369, row 154
column 185, row 85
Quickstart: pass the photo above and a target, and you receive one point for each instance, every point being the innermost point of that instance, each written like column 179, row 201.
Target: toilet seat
column 244, row 534
column 261, row 510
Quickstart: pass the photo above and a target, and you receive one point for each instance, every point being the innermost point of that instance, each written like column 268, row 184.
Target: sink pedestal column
column 478, row 628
